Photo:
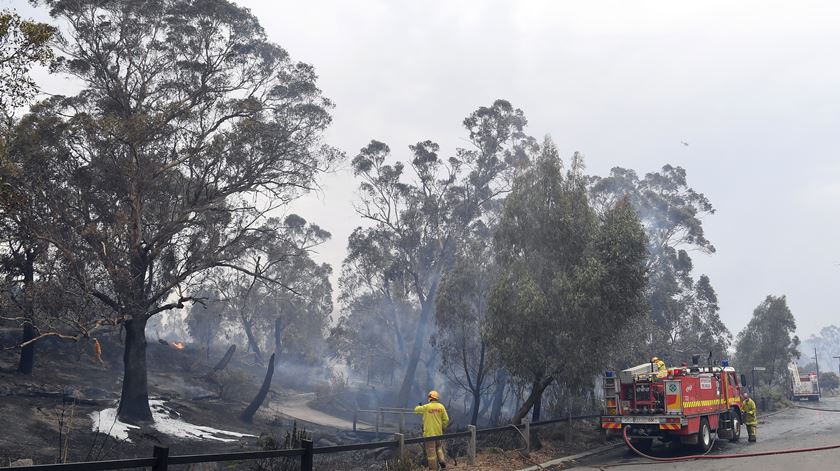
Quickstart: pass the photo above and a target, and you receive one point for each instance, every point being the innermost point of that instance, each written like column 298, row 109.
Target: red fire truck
column 688, row 405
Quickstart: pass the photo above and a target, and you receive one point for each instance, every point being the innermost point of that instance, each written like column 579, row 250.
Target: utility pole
column 817, row 361
column 838, row 362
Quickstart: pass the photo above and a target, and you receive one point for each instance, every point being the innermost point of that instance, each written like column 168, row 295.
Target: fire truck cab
column 688, row 405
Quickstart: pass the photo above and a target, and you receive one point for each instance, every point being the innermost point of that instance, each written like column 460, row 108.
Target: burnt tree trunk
column 535, row 416
column 248, row 413
column 417, row 347
column 134, row 401
column 536, row 394
column 498, row 397
column 223, row 363
column 252, row 341
column 278, row 335
column 27, row 353
column 476, row 403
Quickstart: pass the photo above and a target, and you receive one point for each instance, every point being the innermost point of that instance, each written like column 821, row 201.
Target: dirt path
column 297, row 406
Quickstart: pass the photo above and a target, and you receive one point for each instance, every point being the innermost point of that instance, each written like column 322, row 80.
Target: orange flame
column 179, row 345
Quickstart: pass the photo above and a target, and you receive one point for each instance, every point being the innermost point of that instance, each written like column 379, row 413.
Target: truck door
column 732, row 387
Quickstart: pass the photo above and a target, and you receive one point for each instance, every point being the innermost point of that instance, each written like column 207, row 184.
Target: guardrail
column 160, row 459
column 379, row 418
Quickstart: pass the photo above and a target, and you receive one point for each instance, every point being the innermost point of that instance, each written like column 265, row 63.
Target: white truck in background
column 803, row 386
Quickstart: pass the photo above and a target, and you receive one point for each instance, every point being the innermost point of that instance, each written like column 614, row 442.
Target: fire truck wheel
column 704, row 436
column 736, row 426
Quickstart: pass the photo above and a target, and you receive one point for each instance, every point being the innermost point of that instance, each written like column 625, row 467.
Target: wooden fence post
column 401, row 439
column 161, row 455
column 571, row 428
column 471, row 445
column 527, row 422
column 381, row 419
column 306, row 459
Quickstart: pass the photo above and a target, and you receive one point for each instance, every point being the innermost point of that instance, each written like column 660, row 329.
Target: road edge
column 604, row 448
column 578, row 456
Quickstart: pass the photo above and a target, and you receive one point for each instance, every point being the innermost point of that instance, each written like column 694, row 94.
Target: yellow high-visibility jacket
column 435, row 418
column 662, row 371
column 749, row 412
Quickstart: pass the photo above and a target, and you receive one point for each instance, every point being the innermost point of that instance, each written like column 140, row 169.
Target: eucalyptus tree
column 461, row 320
column 282, row 290
column 419, row 220
column 681, row 309
column 569, row 278
column 768, row 340
column 190, row 127
column 204, row 321
column 24, row 44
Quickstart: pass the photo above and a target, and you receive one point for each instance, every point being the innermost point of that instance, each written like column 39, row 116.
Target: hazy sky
column 752, row 86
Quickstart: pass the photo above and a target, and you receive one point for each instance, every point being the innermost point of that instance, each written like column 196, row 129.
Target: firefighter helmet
column 434, row 395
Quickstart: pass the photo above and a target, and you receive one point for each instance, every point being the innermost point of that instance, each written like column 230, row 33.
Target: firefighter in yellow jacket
column 659, row 365
column 750, row 419
column 435, row 420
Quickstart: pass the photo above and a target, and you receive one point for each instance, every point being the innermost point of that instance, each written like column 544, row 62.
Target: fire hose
column 816, row 408
column 725, row 456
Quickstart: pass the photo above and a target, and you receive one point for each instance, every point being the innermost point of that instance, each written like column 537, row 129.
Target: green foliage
column 283, row 297
column 23, row 45
column 419, row 221
column 569, row 278
column 684, row 313
column 461, row 318
column 768, row 340
column 205, row 321
column 829, row 381
column 190, row 127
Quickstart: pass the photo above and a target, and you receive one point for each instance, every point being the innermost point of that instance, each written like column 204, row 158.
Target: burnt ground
column 66, row 387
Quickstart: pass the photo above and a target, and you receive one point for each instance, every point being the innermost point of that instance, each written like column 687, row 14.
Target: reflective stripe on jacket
column 435, row 418
column 749, row 412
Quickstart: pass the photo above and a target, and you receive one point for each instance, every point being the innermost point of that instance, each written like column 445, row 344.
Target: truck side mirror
column 743, row 379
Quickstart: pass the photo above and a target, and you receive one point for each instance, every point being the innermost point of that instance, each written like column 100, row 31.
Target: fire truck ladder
column 611, row 399
column 794, row 372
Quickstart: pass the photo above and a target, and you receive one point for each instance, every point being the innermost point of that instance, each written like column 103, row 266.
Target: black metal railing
column 160, row 459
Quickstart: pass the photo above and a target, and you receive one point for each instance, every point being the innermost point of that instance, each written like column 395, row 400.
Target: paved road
column 792, row 428
column 297, row 406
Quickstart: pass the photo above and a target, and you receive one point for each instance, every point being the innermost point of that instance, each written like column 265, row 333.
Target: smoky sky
column 751, row 86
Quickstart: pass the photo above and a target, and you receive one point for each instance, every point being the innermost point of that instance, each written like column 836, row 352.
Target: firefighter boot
column 751, row 430
column 441, row 455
